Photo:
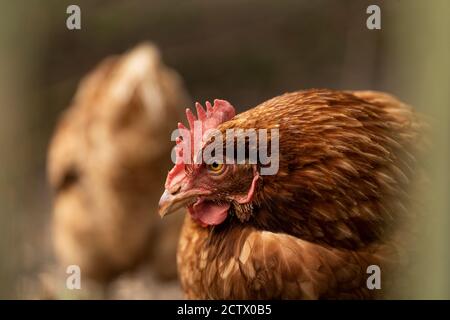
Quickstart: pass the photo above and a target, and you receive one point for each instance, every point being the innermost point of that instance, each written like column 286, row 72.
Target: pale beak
column 171, row 202
column 168, row 203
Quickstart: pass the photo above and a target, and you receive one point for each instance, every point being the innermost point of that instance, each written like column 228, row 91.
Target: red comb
column 210, row 118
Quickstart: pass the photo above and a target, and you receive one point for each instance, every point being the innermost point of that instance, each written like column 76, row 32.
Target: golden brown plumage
column 338, row 203
column 105, row 150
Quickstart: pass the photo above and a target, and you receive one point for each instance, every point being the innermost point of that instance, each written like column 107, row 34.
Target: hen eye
column 215, row 167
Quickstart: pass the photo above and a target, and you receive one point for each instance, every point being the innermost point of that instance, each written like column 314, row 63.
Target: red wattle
column 209, row 213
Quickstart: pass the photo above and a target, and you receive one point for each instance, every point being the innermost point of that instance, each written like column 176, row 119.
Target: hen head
column 210, row 187
column 346, row 162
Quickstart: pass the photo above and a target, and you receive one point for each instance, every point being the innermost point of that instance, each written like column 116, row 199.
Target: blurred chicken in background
column 106, row 166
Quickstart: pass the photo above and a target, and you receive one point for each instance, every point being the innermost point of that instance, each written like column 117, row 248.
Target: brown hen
column 338, row 204
column 106, row 148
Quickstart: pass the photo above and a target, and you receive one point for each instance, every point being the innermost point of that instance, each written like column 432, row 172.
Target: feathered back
column 346, row 162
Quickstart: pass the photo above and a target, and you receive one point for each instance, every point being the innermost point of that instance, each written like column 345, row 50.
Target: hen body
column 338, row 204
column 105, row 149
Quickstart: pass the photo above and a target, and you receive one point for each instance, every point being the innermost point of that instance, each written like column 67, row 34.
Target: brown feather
column 338, row 204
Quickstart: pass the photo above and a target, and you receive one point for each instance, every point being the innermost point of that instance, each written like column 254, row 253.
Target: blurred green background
column 243, row 51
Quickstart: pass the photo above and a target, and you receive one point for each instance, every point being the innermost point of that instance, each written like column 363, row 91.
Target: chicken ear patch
column 246, row 199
